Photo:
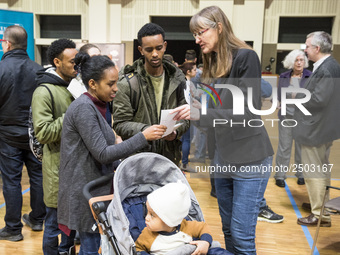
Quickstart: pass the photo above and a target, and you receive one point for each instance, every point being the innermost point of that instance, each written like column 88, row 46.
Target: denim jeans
column 239, row 201
column 12, row 160
column 185, row 147
column 89, row 243
column 51, row 233
column 200, row 144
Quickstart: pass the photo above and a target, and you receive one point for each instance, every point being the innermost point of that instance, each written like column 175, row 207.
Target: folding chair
column 332, row 206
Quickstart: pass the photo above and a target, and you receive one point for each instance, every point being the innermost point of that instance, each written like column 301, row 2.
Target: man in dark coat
column 317, row 131
column 161, row 86
column 17, row 83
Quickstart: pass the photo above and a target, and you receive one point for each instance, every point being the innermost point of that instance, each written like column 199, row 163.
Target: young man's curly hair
column 150, row 29
column 57, row 47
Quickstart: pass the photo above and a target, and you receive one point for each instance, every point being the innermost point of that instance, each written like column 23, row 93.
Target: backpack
column 134, row 90
column 35, row 146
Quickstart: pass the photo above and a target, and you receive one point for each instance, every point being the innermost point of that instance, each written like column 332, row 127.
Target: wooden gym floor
column 281, row 238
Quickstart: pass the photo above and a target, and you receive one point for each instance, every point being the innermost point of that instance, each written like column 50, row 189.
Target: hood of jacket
column 48, row 75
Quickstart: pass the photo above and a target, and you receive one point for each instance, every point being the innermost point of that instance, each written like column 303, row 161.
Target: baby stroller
column 124, row 218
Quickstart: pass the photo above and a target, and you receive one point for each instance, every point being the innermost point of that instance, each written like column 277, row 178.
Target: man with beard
column 49, row 104
column 146, row 87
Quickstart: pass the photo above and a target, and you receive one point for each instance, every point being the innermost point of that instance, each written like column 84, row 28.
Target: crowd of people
column 117, row 114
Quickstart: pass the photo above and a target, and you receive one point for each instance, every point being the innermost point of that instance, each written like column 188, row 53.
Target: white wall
column 117, row 21
column 299, row 8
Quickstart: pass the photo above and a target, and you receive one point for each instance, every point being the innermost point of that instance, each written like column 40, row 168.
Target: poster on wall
column 115, row 51
column 24, row 19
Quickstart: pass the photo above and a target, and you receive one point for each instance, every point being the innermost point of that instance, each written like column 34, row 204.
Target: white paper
column 76, row 88
column 167, row 120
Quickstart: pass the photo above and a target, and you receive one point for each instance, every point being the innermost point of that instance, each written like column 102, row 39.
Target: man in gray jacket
column 317, row 131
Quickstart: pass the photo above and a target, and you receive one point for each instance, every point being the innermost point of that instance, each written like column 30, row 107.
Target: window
column 60, row 26
column 295, row 30
column 176, row 28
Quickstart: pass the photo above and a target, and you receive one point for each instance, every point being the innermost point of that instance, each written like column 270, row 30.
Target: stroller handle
column 95, row 183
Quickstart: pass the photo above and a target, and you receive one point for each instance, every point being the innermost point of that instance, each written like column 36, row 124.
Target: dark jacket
column 48, row 122
column 323, row 125
column 284, row 82
column 17, row 83
column 239, row 144
column 127, row 123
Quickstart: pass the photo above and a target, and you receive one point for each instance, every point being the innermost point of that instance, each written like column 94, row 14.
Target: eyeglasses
column 200, row 33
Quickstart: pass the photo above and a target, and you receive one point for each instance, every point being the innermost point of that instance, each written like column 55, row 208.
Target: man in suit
column 317, row 131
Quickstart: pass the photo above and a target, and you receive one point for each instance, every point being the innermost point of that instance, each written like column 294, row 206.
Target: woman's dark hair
column 187, row 66
column 92, row 67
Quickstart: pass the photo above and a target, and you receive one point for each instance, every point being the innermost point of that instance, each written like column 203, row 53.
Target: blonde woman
column 238, row 147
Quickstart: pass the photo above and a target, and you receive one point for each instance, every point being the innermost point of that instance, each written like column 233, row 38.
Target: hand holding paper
column 167, row 119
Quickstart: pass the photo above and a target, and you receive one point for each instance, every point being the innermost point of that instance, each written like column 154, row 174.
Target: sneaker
column 268, row 215
column 28, row 222
column 187, row 168
column 280, row 183
column 6, row 235
column 213, row 194
column 72, row 251
column 301, row 181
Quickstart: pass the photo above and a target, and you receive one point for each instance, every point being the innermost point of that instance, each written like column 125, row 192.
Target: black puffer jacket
column 17, row 83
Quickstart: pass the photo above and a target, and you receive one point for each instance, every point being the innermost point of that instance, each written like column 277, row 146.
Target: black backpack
column 134, row 90
column 35, row 146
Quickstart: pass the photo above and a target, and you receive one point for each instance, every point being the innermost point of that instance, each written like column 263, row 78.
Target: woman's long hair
column 217, row 64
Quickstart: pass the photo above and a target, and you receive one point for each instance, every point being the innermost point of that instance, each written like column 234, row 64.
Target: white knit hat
column 171, row 203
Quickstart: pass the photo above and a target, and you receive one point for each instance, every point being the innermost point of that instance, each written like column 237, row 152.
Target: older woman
column 297, row 62
column 243, row 152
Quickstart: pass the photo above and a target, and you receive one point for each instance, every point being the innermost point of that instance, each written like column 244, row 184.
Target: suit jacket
column 239, row 144
column 324, row 124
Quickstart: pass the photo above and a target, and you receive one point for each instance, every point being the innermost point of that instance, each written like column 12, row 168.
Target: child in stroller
column 166, row 229
column 135, row 178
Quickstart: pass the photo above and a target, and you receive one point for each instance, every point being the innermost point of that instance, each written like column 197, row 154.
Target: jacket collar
column 174, row 74
column 15, row 52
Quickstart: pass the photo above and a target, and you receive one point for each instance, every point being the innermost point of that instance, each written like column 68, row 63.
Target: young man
column 17, row 83
column 316, row 132
column 48, row 115
column 160, row 85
